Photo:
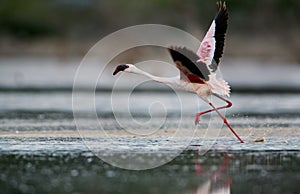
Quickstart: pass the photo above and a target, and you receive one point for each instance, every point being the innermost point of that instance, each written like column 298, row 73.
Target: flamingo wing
column 211, row 47
column 190, row 67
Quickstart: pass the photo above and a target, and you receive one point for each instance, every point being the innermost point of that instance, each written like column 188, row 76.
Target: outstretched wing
column 191, row 69
column 211, row 48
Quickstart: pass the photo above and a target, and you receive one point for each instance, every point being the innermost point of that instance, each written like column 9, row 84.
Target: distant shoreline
column 259, row 48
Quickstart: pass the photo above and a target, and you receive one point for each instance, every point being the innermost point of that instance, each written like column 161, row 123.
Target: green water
column 239, row 172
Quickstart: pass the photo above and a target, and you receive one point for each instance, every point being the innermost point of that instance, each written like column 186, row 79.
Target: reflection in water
column 218, row 182
column 61, row 171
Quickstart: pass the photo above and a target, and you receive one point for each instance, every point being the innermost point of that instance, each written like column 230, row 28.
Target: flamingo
column 198, row 70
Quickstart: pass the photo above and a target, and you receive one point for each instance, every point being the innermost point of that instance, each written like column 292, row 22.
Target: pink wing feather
column 211, row 47
column 207, row 46
column 211, row 50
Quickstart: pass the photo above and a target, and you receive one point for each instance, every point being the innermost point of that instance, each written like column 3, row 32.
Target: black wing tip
column 221, row 20
column 173, row 49
column 222, row 10
column 221, row 6
column 178, row 48
column 173, row 52
column 177, row 52
column 190, row 60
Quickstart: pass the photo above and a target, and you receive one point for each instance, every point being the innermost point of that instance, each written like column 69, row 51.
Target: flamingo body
column 198, row 70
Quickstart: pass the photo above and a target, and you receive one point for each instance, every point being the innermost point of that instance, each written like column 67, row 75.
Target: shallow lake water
column 42, row 151
column 45, row 147
column 81, row 172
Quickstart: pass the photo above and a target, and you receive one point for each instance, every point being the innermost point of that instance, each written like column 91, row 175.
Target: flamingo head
column 119, row 68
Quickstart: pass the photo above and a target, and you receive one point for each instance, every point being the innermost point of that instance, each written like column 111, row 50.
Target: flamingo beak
column 120, row 68
column 116, row 71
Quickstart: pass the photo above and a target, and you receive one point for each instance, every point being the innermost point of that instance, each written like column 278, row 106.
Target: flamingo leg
column 229, row 104
column 226, row 122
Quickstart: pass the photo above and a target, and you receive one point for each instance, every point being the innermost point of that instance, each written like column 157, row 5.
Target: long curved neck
column 166, row 80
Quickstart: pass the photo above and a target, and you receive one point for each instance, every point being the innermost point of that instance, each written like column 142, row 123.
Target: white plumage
column 198, row 70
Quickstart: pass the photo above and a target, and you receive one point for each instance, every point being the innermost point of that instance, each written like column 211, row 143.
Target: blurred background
column 265, row 29
column 42, row 43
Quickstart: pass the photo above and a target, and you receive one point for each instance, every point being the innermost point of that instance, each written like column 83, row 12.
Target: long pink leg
column 226, row 122
column 229, row 104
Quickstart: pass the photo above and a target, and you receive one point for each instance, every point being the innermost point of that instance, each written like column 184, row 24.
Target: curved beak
column 116, row 71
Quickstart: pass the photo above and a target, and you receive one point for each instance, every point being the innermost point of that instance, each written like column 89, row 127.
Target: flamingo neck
column 166, row 80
